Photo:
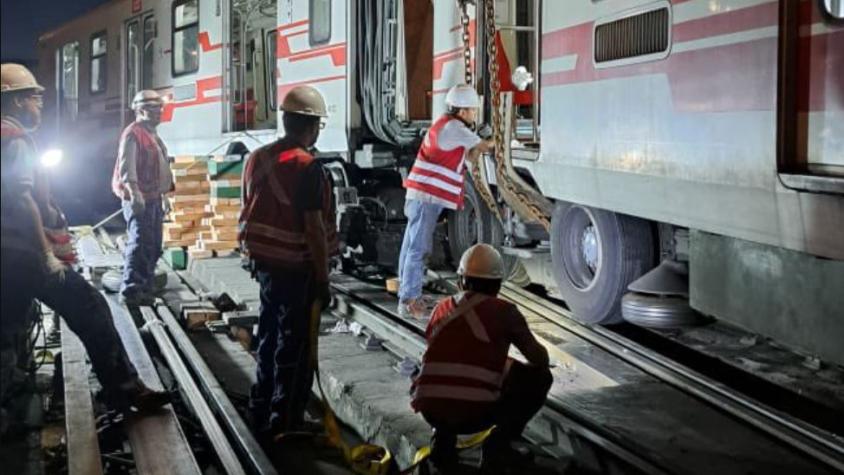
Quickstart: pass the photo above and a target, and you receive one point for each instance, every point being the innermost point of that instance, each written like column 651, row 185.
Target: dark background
column 23, row 21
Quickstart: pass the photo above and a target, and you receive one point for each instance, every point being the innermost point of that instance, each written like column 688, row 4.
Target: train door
column 139, row 34
column 812, row 95
column 252, row 68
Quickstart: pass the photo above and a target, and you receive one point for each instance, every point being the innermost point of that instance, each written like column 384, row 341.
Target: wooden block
column 224, row 191
column 179, row 243
column 191, row 171
column 182, row 178
column 223, row 183
column 226, row 214
column 228, row 253
column 214, row 201
column 198, row 198
column 227, row 235
column 218, row 245
column 196, row 317
column 205, row 185
column 222, row 222
column 223, row 208
column 197, row 253
column 205, row 236
column 243, row 335
column 190, row 159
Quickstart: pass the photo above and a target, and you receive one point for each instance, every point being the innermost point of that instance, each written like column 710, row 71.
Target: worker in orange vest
column 467, row 382
column 288, row 233
column 435, row 182
column 141, row 178
column 30, row 268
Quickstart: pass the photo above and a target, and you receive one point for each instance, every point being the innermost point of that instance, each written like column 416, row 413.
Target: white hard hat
column 304, row 100
column 146, row 97
column 15, row 77
column 462, row 96
column 481, row 261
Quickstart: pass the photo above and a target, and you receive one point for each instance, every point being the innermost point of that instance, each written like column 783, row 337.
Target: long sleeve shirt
column 128, row 159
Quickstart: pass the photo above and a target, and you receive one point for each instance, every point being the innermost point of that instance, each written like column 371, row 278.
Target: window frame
column 143, row 32
column 173, row 30
column 272, row 62
column 104, row 65
column 62, row 96
column 311, row 40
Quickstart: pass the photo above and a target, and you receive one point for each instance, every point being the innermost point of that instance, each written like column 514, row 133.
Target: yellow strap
column 364, row 459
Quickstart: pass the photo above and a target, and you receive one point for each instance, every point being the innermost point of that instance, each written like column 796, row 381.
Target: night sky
column 24, row 20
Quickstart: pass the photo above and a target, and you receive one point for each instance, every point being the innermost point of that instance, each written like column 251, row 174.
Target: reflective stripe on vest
column 463, row 393
column 468, row 371
column 271, row 228
column 437, row 172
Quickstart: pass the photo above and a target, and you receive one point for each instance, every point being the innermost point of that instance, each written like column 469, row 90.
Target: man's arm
column 523, row 339
column 315, row 236
column 128, row 169
column 479, row 149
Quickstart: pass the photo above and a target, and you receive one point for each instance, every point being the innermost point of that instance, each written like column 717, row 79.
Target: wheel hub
column 589, row 247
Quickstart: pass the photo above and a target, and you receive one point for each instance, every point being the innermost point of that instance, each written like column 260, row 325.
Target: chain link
column 481, row 186
column 504, row 181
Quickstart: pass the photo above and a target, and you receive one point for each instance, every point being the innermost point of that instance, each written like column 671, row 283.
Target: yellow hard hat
column 15, row 77
column 482, row 261
column 304, row 100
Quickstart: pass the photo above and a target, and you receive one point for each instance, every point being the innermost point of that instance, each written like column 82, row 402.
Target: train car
column 704, row 135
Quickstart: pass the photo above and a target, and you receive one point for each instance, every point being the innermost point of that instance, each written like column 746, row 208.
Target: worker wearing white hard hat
column 30, row 267
column 142, row 179
column 467, row 382
column 435, row 183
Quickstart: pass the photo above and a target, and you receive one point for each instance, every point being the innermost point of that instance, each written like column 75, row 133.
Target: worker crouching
column 467, row 383
column 435, row 183
column 141, row 179
column 288, row 233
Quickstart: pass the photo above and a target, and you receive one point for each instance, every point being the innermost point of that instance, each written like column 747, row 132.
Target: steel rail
column 391, row 327
column 245, row 442
column 813, row 441
column 225, row 452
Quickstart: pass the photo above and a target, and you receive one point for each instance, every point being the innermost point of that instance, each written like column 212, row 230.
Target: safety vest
column 147, row 162
column 463, row 361
column 437, row 172
column 272, row 230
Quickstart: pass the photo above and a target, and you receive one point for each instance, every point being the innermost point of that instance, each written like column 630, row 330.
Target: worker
column 288, row 233
column 141, row 179
column 30, row 269
column 467, row 382
column 435, row 183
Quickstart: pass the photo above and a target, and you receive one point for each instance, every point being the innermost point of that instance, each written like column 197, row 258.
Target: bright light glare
column 51, row 157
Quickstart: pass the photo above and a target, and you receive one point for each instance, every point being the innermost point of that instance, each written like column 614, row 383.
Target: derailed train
column 707, row 135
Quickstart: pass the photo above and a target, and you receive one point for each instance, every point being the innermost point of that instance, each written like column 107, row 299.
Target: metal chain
column 504, row 181
column 481, row 186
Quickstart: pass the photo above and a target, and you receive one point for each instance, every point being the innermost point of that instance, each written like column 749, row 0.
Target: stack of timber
column 187, row 206
column 223, row 209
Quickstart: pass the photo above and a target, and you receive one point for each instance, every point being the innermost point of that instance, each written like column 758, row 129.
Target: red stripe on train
column 202, row 88
column 205, row 43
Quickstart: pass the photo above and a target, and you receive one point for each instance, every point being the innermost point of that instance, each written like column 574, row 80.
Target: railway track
column 799, row 447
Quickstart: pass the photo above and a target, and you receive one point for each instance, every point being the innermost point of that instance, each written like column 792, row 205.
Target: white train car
column 708, row 134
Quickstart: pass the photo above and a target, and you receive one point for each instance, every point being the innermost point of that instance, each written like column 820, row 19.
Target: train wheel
column 596, row 254
column 475, row 223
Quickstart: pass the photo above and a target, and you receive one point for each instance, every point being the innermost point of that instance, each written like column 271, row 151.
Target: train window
column 132, row 63
column 320, row 15
column 69, row 81
column 98, row 62
column 272, row 69
column 185, row 37
column 149, row 51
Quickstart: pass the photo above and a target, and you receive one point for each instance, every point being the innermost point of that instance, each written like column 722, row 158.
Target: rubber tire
column 489, row 230
column 627, row 250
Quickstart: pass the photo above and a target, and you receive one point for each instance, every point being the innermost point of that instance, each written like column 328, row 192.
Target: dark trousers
column 285, row 376
column 523, row 393
column 143, row 247
column 81, row 306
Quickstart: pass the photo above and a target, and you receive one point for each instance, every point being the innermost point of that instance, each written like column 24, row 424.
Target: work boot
column 413, row 308
column 444, row 450
column 139, row 397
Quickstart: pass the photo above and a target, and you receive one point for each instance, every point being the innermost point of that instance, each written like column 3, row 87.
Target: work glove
column 138, row 203
column 485, row 132
column 323, row 294
column 53, row 266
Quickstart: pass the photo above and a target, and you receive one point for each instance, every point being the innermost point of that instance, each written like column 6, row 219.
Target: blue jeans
column 143, row 247
column 285, row 376
column 418, row 239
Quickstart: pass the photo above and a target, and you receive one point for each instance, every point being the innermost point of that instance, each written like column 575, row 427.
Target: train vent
column 634, row 36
